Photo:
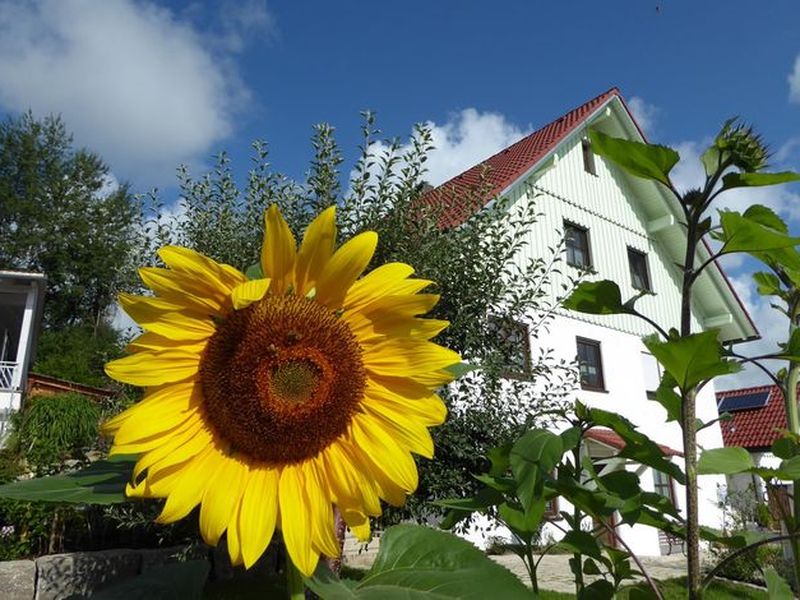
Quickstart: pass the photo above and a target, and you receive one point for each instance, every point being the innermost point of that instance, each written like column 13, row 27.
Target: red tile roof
column 754, row 428
column 497, row 172
column 611, row 438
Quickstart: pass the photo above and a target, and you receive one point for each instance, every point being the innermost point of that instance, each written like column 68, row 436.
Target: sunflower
column 270, row 401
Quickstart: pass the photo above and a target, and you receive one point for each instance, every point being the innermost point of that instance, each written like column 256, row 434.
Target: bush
column 51, row 429
column 748, row 567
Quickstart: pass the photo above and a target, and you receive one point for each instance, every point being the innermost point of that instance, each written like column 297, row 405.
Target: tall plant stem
column 689, row 418
column 577, row 518
column 294, row 581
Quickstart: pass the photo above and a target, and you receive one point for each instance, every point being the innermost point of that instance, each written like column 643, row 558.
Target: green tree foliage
column 60, row 215
column 78, row 352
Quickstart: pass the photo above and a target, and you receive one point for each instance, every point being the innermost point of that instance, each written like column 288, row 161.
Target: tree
column 62, row 215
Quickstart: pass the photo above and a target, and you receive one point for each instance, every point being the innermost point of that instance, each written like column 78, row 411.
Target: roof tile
column 754, row 428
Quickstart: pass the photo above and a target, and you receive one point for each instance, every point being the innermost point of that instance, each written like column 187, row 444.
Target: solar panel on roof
column 743, row 402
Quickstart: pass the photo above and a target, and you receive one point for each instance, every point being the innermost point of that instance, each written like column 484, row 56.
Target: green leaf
column 649, row 161
column 460, row 369
column 176, row 580
column 596, row 298
column 254, row 271
column 766, row 217
column 481, row 501
column 590, row 567
column 668, row 398
column 570, row 438
column 784, row 447
column 581, row 542
column 638, row 447
column 597, row 590
column 102, row 482
column 767, row 284
column 790, row 469
column 725, row 461
column 419, row 563
column 535, row 454
column 499, row 459
column 734, row 180
column 524, row 523
column 777, row 588
column 743, row 234
column 691, row 359
column 622, row 483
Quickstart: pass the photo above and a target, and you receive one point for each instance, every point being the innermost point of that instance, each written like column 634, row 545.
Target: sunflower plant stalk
column 270, row 401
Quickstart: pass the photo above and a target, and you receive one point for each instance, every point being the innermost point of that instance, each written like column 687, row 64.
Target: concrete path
column 554, row 573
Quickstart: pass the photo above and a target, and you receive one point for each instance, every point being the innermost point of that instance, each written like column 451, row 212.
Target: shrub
column 51, row 429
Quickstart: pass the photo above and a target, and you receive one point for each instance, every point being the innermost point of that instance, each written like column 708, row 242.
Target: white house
column 21, row 302
column 627, row 230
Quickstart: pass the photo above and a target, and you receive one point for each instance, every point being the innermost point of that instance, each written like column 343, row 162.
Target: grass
column 675, row 589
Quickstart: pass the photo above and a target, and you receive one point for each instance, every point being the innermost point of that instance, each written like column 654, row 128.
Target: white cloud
column 464, row 140
column 132, row 81
column 794, row 82
column 644, row 113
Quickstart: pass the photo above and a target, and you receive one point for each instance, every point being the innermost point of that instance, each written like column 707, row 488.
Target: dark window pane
column 640, row 278
column 576, row 240
column 590, row 364
column 588, row 157
column 662, row 484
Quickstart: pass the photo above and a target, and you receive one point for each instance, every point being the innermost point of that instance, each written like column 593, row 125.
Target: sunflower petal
column 248, row 292
column 189, row 489
column 187, row 290
column 200, row 266
column 221, row 498
column 376, row 283
column 259, row 513
column 315, row 251
column 295, row 522
column 278, row 250
column 384, row 453
column 167, row 319
column 322, row 519
column 401, row 356
column 344, row 268
column 154, row 368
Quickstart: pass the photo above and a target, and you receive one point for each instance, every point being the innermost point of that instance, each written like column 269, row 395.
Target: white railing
column 9, row 381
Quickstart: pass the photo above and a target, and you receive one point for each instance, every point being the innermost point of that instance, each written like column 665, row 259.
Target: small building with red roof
column 607, row 224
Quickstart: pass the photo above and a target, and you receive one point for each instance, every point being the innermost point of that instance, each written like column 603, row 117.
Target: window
column 515, row 346
column 640, row 277
column 590, row 365
column 588, row 157
column 652, row 374
column 662, row 485
column 576, row 239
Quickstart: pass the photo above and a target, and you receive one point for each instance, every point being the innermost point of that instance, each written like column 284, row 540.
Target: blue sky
column 150, row 85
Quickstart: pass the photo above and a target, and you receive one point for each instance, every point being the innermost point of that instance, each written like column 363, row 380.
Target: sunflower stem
column 294, row 581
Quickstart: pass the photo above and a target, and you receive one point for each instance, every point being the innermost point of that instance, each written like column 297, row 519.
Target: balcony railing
column 9, row 379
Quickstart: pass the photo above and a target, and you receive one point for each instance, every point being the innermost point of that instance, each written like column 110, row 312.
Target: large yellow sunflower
column 271, row 401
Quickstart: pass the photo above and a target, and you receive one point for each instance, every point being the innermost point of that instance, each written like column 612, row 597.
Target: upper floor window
column 640, row 275
column 663, row 486
column 576, row 239
column 590, row 365
column 515, row 346
column 588, row 157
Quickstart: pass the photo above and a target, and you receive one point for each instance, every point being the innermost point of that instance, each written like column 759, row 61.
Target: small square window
column 590, row 365
column 588, row 157
column 640, row 275
column 663, row 486
column 576, row 240
column 515, row 346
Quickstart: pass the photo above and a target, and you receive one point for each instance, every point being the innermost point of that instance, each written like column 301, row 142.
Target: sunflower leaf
column 420, row 563
column 178, row 580
column 102, row 482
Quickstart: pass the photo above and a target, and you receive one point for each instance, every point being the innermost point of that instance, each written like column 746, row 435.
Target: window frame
column 601, row 386
column 634, row 252
column 500, row 329
column 589, row 163
column 670, row 482
column 588, row 250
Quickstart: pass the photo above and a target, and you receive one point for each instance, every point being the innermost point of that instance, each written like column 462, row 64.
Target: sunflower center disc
column 281, row 379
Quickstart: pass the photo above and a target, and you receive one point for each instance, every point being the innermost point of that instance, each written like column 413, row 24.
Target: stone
column 18, row 579
column 81, row 574
column 158, row 557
